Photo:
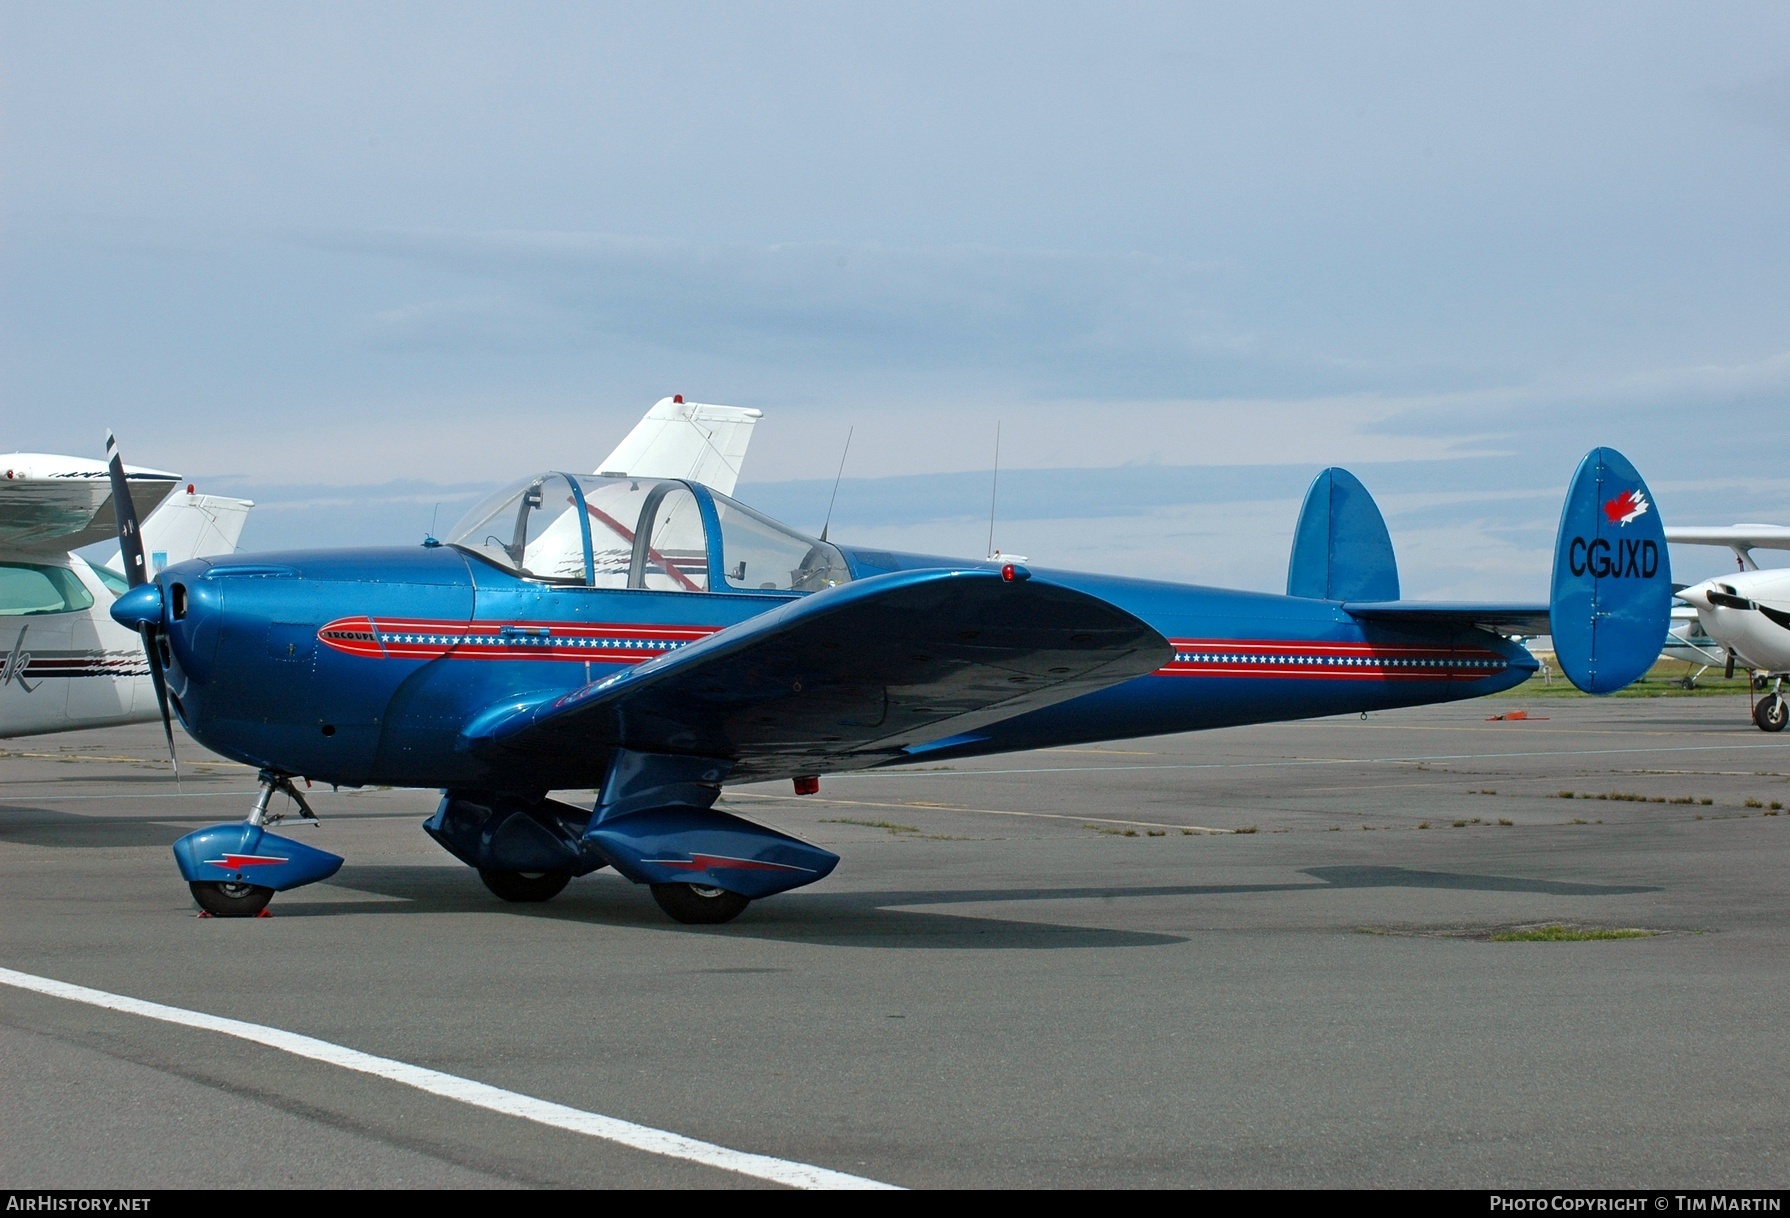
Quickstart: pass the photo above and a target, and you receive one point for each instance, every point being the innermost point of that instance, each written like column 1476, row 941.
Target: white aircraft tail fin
column 694, row 440
column 190, row 525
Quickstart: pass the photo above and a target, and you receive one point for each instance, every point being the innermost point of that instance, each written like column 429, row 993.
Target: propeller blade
column 159, row 679
column 1728, row 670
column 130, row 536
column 130, row 551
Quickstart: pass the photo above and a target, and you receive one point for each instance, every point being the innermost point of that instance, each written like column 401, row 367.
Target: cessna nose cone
column 1696, row 594
column 141, row 606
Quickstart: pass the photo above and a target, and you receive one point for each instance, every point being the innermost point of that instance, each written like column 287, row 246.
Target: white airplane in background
column 1745, row 616
column 65, row 664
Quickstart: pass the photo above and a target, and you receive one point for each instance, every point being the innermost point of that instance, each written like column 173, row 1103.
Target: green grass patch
column 873, row 824
column 1666, row 679
column 1559, row 932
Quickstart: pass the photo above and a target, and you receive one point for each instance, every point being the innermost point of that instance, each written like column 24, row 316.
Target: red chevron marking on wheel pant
column 245, row 860
column 708, row 862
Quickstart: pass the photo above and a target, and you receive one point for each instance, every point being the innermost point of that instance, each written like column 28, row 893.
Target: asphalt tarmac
column 1074, row 967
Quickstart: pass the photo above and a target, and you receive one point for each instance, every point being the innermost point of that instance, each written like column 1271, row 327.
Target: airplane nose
column 1696, row 594
column 141, row 606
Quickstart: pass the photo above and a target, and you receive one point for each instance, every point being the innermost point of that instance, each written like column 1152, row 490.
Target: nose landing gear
column 234, row 870
column 1770, row 714
column 222, row 900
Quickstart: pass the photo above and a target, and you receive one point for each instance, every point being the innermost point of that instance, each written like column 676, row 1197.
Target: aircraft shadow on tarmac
column 31, row 826
column 885, row 918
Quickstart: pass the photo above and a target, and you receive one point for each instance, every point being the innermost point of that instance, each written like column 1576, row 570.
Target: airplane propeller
column 136, row 574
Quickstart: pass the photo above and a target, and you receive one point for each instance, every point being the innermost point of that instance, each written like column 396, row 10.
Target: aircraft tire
column 1771, row 713
column 525, row 887
column 697, row 905
column 230, row 900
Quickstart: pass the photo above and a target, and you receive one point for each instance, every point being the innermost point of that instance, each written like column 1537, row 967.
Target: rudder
column 1341, row 549
column 1612, row 593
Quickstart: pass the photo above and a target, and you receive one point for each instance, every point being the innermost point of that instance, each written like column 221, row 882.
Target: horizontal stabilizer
column 1529, row 620
column 848, row 677
column 1341, row 549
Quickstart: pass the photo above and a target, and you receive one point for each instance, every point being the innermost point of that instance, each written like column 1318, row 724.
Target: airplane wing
column 1737, row 537
column 847, row 678
column 54, row 503
column 1527, row 620
column 690, row 440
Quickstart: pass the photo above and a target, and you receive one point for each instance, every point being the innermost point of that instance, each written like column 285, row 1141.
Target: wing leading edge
column 849, row 677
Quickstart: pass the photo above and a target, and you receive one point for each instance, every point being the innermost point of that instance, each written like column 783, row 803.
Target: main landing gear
column 525, row 887
column 693, row 904
column 699, row 905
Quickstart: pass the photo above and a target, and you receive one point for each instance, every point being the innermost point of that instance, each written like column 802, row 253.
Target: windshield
column 534, row 528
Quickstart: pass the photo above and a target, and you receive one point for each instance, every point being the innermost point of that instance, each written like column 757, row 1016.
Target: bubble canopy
column 651, row 534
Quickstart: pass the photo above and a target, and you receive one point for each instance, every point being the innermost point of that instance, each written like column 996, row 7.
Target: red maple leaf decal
column 1625, row 507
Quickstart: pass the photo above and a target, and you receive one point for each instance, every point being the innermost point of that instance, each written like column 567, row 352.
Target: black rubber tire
column 230, row 900
column 1770, row 714
column 525, row 887
column 696, row 905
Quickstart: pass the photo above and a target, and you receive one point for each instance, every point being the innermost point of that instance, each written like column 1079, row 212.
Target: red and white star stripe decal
column 1278, row 658
column 416, row 639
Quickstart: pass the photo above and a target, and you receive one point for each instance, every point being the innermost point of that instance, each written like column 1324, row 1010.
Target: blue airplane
column 654, row 640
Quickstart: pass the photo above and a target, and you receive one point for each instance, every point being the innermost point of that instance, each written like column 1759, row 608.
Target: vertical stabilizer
column 1341, row 549
column 190, row 525
column 1612, row 599
column 694, row 440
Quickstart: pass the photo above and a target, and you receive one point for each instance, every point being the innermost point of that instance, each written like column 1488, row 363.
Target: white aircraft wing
column 1741, row 538
column 1735, row 536
column 694, row 440
column 189, row 526
column 52, row 503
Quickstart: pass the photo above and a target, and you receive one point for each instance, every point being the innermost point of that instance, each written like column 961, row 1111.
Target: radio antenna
column 995, row 487
column 827, row 523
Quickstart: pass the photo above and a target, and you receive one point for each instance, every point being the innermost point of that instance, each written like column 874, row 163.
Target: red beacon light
column 808, row 784
column 678, row 398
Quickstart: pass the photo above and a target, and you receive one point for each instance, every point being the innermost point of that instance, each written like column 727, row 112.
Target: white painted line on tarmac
column 466, row 1091
column 1303, row 761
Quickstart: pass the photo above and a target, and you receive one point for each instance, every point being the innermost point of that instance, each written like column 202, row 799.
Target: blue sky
column 357, row 261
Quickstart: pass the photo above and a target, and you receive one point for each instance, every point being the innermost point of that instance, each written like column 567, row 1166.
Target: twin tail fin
column 1611, row 599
